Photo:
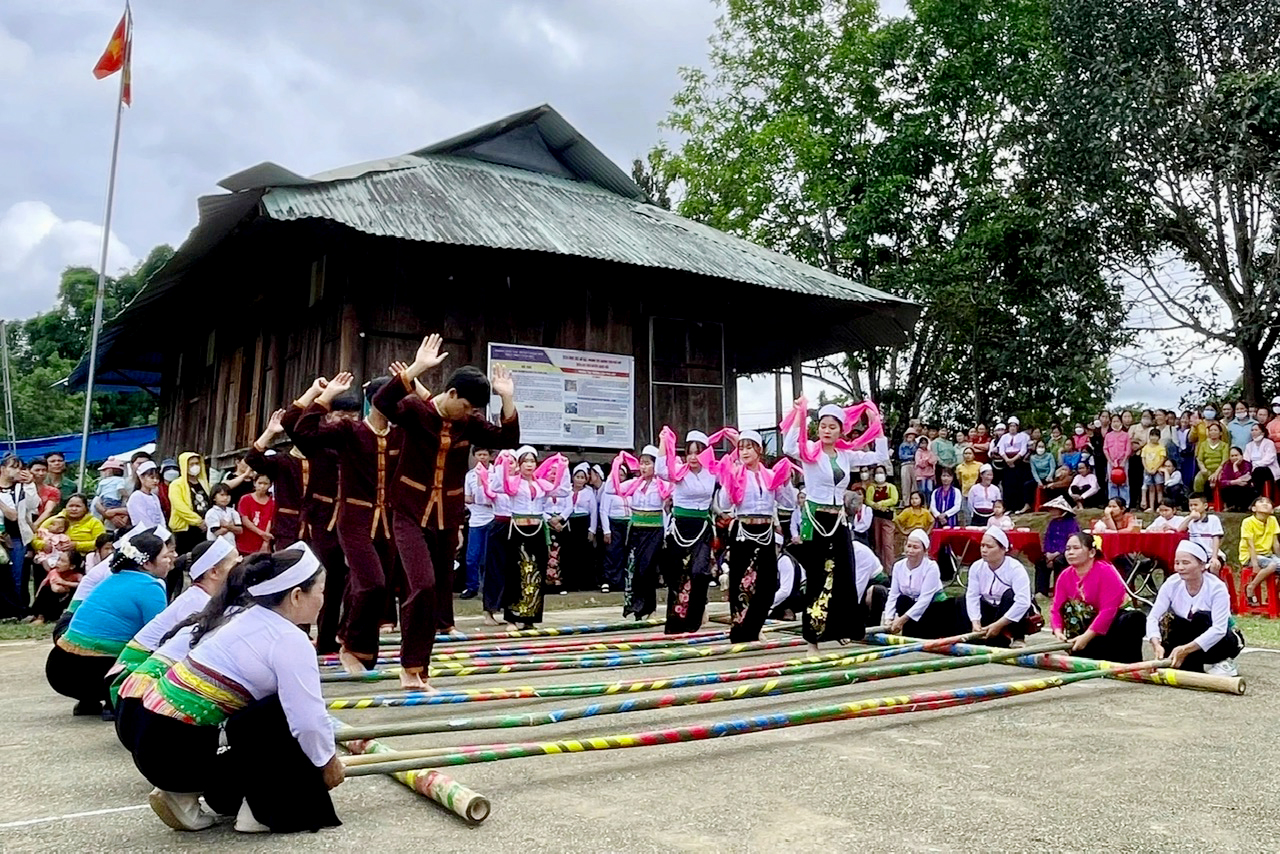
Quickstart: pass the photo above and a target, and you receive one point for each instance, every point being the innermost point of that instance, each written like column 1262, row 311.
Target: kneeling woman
column 255, row 678
column 126, row 601
column 998, row 598
column 917, row 606
column 1089, row 606
column 1191, row 620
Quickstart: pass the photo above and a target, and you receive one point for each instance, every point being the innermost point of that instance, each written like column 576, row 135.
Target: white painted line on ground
column 30, row 821
column 1259, row 649
column 31, row 642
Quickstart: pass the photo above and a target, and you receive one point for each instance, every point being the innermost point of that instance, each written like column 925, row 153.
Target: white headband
column 525, row 450
column 650, row 451
column 697, row 436
column 212, row 556
column 158, row 530
column 581, row 467
column 919, row 536
column 999, row 536
column 144, row 467
column 291, row 577
column 751, row 436
column 1194, row 549
column 599, row 471
column 986, row 467
column 834, row 411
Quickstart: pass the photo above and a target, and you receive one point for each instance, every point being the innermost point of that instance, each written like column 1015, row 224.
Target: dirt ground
column 1092, row 766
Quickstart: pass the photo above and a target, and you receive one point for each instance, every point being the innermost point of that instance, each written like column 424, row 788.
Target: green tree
column 45, row 348
column 650, row 178
column 1164, row 125
column 889, row 151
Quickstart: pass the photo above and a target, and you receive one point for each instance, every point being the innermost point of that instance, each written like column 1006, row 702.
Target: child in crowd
column 1175, row 492
column 1203, row 527
column 1153, row 457
column 223, row 520
column 1167, row 520
column 257, row 510
column 998, row 517
column 926, row 465
column 109, row 497
column 914, row 516
column 1258, row 545
column 103, row 548
column 967, row 473
column 54, row 593
column 55, row 541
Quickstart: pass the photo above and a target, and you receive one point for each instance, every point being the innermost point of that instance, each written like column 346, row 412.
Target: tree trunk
column 1254, row 360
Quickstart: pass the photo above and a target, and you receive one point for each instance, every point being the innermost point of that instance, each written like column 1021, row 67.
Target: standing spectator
column 1116, row 448
column 49, row 496
column 981, row 445
column 883, row 498
column 967, row 472
column 168, row 474
column 1153, row 457
column 59, row 478
column 926, row 465
column 1241, row 427
column 144, row 503
column 109, row 496
column 257, row 511
column 480, row 515
column 983, row 497
column 1013, row 448
column 1261, row 454
column 189, row 501
column 19, row 506
column 222, row 521
column 1273, row 425
column 1097, row 438
column 1210, row 455
column 907, row 462
column 945, row 450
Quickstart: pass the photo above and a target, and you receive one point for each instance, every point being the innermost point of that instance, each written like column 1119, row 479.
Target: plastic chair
column 1270, row 605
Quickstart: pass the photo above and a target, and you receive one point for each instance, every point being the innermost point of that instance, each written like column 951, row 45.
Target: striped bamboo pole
column 1165, row 676
column 555, row 662
column 769, row 688
column 929, row 700
column 545, row 632
column 439, row 787
column 789, row 667
column 392, row 656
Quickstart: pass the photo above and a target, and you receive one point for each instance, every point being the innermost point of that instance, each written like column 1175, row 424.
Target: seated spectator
column 914, row 516
column 1258, row 545
column 1043, row 463
column 55, row 591
column 1167, row 520
column 1058, row 485
column 1210, row 455
column 999, row 518
column 1084, row 489
column 82, row 527
column 1174, row 490
column 1116, row 517
column 1062, row 524
column 1234, row 482
column 1261, row 454
column 103, row 548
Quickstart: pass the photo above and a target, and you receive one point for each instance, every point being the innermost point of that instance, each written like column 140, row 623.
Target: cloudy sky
column 310, row 85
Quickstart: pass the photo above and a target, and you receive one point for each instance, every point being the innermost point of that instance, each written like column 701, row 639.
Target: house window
column 687, row 377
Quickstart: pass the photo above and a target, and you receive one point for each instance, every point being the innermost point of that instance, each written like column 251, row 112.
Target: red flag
column 118, row 54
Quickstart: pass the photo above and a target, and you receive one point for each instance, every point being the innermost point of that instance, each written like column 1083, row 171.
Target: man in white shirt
column 1012, row 449
column 479, row 515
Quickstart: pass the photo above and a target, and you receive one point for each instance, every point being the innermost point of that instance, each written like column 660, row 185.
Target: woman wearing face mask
column 1273, row 423
column 833, row 611
column 1240, row 427
column 189, row 501
column 1043, row 465
column 253, row 677
column 883, row 498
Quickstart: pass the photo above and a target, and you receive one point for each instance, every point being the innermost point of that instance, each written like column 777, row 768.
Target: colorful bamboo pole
column 788, row 667
column 392, row 656
column 439, row 787
column 546, row 632
column 772, row 687
column 722, row 729
column 1164, row 676
column 554, row 662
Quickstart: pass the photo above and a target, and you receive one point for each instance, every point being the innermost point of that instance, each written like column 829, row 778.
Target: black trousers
column 263, row 764
column 687, row 570
column 991, row 613
column 324, row 543
column 938, row 621
column 643, row 545
column 1180, row 630
column 493, row 573
column 183, row 543
column 1122, row 642
column 1046, row 572
column 80, row 677
column 615, row 555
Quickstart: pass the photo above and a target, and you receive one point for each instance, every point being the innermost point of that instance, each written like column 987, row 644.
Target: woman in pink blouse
column 1089, row 606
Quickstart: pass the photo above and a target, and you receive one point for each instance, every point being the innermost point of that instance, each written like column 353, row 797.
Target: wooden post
column 797, row 378
column 777, row 397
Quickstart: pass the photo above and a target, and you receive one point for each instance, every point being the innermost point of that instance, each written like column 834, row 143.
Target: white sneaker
column 179, row 811
column 604, row 588
column 246, row 823
column 1226, row 667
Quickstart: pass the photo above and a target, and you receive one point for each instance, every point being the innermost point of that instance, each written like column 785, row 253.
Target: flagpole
column 8, row 395
column 102, row 272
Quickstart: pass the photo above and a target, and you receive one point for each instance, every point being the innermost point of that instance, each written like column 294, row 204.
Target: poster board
column 571, row 397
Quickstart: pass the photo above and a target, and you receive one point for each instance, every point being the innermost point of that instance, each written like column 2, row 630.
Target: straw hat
column 1059, row 503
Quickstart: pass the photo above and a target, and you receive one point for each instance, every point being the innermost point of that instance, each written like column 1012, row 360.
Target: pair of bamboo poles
column 416, row 768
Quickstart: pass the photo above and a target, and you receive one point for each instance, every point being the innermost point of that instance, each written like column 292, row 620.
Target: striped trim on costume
column 195, row 694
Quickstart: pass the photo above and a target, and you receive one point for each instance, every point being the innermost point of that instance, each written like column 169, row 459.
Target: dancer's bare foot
column 411, row 680
column 386, row 628
column 490, row 620
column 512, row 627
column 349, row 662
column 813, row 649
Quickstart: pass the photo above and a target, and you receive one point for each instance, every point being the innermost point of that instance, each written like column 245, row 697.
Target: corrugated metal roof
column 469, row 203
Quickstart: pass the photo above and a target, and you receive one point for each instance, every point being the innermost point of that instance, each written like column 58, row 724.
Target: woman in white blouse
column 916, row 606
column 1199, row 634
column 1261, row 452
column 983, row 496
column 998, row 597
column 254, row 678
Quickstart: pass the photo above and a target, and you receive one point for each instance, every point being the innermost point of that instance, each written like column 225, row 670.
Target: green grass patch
column 10, row 631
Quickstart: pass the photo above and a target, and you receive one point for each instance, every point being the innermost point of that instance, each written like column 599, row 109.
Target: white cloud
column 36, row 244
column 14, row 54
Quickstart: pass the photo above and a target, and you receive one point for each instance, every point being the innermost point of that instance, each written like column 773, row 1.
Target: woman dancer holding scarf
column 528, row 539
column 833, row 611
column 646, row 496
column 752, row 492
column 686, row 551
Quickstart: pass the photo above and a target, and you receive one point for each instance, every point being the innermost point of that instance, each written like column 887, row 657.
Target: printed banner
column 571, row 397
